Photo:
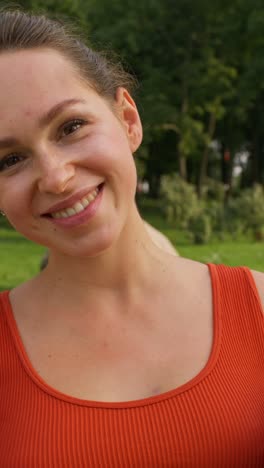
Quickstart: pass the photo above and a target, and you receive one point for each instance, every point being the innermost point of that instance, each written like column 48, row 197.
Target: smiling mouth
column 78, row 207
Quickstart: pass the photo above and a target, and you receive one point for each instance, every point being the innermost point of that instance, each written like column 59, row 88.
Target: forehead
column 33, row 80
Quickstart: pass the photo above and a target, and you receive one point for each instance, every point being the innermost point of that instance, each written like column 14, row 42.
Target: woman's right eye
column 10, row 161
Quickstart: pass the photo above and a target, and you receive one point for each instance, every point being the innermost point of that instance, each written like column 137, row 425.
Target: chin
column 94, row 245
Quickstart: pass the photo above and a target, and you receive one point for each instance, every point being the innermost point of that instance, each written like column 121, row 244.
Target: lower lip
column 82, row 217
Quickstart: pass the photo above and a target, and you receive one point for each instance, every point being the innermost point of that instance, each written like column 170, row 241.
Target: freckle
column 49, row 356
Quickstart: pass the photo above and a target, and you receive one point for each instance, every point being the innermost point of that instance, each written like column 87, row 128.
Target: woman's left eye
column 72, row 126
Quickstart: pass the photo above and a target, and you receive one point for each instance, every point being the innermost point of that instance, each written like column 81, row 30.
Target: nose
column 54, row 174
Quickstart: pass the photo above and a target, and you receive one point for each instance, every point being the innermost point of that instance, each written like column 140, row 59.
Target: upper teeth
column 78, row 207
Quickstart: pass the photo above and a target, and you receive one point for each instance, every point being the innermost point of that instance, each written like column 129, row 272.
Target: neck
column 123, row 271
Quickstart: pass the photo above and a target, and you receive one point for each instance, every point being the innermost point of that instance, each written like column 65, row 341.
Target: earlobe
column 129, row 118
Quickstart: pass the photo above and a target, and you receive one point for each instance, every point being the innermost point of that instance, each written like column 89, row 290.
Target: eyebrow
column 7, row 142
column 57, row 109
column 44, row 120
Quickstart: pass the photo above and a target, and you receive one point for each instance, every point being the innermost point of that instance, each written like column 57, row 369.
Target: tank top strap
column 239, row 305
column 237, row 287
column 7, row 348
column 3, row 306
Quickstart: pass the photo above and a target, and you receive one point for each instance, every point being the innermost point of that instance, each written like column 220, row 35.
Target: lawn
column 231, row 252
column 20, row 258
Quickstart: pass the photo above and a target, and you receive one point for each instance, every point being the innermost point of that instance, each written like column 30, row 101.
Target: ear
column 129, row 118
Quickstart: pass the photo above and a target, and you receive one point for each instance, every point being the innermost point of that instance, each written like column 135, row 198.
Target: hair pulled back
column 21, row 30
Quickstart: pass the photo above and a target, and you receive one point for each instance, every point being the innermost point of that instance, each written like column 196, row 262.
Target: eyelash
column 73, row 122
column 3, row 163
column 79, row 122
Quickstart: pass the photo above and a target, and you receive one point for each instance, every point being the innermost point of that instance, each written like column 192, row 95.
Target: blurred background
column 200, row 71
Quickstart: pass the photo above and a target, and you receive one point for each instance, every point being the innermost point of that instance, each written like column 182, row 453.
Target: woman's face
column 67, row 174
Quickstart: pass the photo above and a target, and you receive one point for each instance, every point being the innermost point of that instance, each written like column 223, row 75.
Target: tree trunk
column 184, row 110
column 182, row 167
column 205, row 155
column 256, row 151
column 185, row 104
column 229, row 182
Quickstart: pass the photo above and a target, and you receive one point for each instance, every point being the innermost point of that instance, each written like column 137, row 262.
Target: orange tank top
column 214, row 420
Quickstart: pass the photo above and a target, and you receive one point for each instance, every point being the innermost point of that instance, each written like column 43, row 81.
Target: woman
column 117, row 353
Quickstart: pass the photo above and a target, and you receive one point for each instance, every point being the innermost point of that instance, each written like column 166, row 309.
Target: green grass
column 20, row 258
column 233, row 253
column 230, row 252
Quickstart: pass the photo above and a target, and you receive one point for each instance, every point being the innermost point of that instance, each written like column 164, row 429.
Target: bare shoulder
column 194, row 278
column 192, row 269
column 259, row 280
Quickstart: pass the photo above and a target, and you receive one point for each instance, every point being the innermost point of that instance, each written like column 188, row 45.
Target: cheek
column 16, row 216
column 110, row 155
column 13, row 201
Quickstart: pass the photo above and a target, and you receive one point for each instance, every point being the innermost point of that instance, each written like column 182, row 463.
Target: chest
column 124, row 360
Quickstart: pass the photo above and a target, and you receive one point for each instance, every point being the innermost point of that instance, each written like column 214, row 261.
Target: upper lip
column 69, row 202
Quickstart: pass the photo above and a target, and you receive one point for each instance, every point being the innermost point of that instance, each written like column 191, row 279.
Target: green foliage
column 213, row 190
column 199, row 228
column 215, row 211
column 213, row 196
column 233, row 223
column 180, row 202
column 247, row 211
column 192, row 135
column 175, row 53
column 73, row 10
column 252, row 203
column 200, row 218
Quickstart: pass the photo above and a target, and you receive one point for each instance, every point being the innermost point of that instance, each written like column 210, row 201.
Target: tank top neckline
column 188, row 386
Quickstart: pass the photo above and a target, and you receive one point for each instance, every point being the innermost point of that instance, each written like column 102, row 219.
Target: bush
column 233, row 223
column 200, row 228
column 242, row 215
column 180, row 202
column 259, row 234
column 213, row 190
column 247, row 211
column 213, row 195
column 214, row 209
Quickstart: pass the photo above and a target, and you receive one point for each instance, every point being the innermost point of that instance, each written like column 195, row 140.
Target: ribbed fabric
column 216, row 420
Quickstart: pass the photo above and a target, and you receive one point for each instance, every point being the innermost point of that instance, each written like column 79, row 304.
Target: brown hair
column 21, row 30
